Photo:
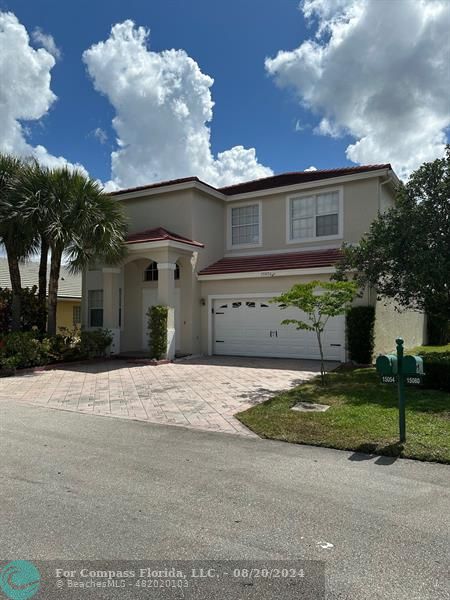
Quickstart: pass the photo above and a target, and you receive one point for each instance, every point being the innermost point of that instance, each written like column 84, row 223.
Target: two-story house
column 216, row 257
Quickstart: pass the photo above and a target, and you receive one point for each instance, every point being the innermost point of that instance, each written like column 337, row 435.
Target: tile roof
column 274, row 262
column 159, row 184
column 265, row 183
column 296, row 177
column 159, row 234
column 69, row 284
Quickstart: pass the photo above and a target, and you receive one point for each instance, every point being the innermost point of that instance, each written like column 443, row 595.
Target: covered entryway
column 252, row 327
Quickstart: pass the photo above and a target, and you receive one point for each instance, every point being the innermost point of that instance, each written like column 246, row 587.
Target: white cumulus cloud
column 378, row 71
column 163, row 109
column 25, row 93
column 46, row 41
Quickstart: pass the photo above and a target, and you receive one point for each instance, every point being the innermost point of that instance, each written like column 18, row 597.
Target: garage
column 252, row 327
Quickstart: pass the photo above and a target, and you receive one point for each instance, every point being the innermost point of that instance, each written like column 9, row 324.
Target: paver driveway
column 200, row 393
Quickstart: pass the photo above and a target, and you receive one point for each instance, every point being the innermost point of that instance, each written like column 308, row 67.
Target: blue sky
column 256, row 105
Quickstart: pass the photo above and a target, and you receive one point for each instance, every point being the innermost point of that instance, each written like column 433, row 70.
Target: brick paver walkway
column 200, row 393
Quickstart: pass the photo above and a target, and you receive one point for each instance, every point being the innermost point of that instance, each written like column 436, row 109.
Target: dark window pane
column 151, row 272
column 96, row 319
column 327, row 225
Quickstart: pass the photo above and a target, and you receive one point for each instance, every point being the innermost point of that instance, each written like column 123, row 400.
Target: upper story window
column 245, row 225
column 151, row 272
column 314, row 216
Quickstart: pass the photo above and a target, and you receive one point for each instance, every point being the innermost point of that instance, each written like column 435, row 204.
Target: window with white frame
column 245, row 225
column 314, row 216
column 76, row 315
column 95, row 308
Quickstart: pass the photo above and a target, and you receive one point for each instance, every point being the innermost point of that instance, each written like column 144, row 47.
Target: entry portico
column 158, row 269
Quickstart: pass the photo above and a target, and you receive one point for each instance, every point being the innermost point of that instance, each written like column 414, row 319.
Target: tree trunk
column 16, row 288
column 42, row 293
column 55, row 268
column 322, row 365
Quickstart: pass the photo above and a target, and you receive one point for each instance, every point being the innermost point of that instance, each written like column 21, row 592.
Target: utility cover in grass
column 310, row 407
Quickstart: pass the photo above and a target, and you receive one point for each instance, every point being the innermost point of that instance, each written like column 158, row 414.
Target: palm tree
column 33, row 203
column 83, row 224
column 16, row 234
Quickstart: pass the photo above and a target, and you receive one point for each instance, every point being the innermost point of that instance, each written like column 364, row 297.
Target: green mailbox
column 400, row 369
column 412, row 365
column 387, row 364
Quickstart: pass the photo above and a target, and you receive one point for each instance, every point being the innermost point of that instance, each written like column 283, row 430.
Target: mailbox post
column 401, row 391
column 400, row 369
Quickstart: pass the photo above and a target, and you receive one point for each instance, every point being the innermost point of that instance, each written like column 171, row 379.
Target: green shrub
column 360, row 333
column 157, row 326
column 31, row 309
column 93, row 343
column 25, row 348
column 437, row 370
column 438, row 330
column 73, row 344
column 5, row 310
column 65, row 346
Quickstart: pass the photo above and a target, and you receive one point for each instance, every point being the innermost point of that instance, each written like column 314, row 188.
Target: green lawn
column 363, row 417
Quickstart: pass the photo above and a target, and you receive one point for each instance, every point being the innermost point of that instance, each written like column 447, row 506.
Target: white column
column 166, row 297
column 111, row 306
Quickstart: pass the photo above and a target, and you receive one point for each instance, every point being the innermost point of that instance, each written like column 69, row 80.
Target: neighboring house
column 217, row 256
column 68, row 312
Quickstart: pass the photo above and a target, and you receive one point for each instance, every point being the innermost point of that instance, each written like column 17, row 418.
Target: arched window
column 176, row 273
column 151, row 272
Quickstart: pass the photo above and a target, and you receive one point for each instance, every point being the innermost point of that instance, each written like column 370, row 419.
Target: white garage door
column 252, row 327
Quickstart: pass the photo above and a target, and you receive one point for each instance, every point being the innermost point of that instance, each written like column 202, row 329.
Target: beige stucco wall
column 362, row 199
column 391, row 324
column 171, row 210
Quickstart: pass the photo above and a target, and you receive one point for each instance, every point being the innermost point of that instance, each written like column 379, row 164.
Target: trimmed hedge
column 437, row 370
column 157, row 327
column 360, row 333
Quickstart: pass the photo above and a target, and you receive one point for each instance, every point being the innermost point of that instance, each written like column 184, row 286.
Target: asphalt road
column 79, row 487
